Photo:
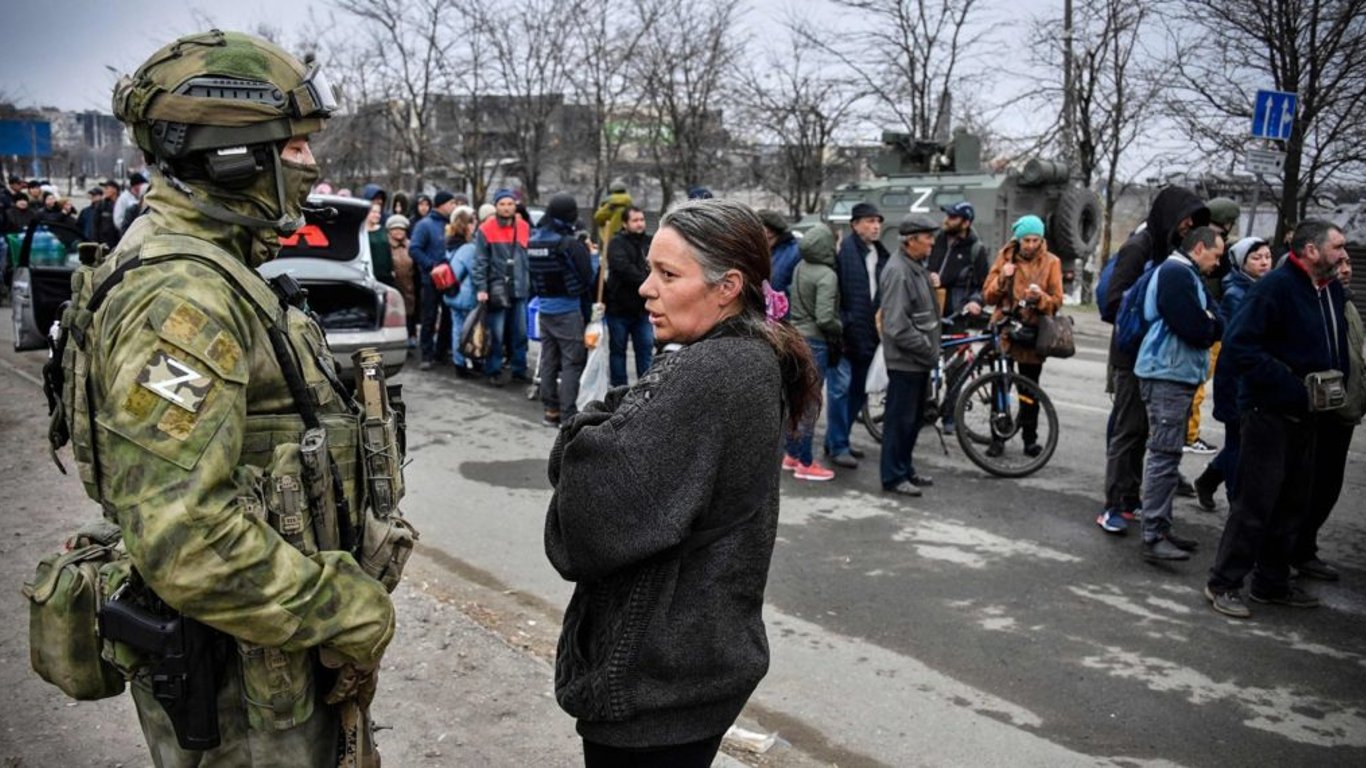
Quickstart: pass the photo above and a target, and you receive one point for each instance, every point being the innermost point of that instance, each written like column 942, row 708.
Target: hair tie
column 775, row 303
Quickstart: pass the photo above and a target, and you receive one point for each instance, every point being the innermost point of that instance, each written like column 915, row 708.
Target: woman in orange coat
column 1026, row 280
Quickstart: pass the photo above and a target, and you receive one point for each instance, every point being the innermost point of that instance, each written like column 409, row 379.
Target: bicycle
column 986, row 411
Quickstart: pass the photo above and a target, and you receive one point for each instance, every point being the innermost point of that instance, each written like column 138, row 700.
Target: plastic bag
column 474, row 336
column 877, row 373
column 597, row 372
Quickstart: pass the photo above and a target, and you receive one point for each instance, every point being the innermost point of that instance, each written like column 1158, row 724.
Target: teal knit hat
column 1026, row 226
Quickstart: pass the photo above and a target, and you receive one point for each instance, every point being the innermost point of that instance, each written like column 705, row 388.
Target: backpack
column 1130, row 323
column 1103, row 289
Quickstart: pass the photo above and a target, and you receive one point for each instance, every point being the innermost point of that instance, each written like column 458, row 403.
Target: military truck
column 919, row 176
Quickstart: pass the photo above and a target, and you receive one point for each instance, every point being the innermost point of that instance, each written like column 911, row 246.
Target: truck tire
column 1076, row 224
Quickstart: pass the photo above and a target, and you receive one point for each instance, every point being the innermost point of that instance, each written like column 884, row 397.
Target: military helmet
column 218, row 91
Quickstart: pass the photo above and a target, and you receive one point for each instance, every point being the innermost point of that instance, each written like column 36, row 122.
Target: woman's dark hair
column 726, row 235
column 400, row 203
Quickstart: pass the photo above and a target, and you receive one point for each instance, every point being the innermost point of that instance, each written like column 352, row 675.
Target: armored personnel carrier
column 919, row 176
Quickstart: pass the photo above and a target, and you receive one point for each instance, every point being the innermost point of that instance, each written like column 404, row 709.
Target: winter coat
column 910, row 316
column 858, row 305
column 428, row 244
column 1183, row 324
column 1236, row 285
column 381, row 259
column 1152, row 243
column 1287, row 328
column 405, row 276
column 1355, row 408
column 626, row 270
column 962, row 268
column 815, row 289
column 500, row 252
column 662, row 643
column 786, row 256
column 1008, row 293
column 610, row 212
column 461, row 259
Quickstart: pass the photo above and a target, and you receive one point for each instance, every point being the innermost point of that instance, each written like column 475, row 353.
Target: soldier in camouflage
column 185, row 425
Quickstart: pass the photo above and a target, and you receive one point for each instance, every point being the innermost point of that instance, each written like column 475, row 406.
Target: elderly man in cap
column 859, row 265
column 910, row 341
column 130, row 201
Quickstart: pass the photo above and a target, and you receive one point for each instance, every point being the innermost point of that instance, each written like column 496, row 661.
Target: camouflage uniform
column 193, row 420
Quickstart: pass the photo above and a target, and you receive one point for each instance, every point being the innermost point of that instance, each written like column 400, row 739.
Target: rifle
column 185, row 674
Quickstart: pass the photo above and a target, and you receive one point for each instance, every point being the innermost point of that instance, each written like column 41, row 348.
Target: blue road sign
column 1273, row 115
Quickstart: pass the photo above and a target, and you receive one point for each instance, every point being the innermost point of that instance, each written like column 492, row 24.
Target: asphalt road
column 989, row 623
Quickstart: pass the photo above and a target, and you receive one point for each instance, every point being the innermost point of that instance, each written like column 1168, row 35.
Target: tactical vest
column 553, row 274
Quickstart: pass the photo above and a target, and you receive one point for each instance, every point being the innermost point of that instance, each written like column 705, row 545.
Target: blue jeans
column 642, row 337
column 901, row 423
column 1168, row 404
column 799, row 445
column 507, row 324
column 457, row 325
column 844, row 398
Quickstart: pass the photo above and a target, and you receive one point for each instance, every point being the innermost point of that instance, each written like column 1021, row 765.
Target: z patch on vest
column 175, row 381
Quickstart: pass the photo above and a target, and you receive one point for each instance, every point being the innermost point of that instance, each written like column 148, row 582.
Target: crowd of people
column 111, row 207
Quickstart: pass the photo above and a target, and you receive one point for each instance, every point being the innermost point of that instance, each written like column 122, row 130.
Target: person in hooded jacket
column 373, row 192
column 782, row 246
column 1175, row 211
column 1025, row 279
column 1251, row 260
column 815, row 313
column 610, row 216
column 561, row 271
column 460, row 255
column 626, row 317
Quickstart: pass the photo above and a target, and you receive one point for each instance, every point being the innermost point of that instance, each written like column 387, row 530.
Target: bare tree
column 795, row 104
column 404, row 45
column 687, row 61
column 1224, row 50
column 608, row 74
column 907, row 53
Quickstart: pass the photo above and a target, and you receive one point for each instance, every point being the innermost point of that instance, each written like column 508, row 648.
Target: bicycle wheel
column 989, row 407
column 874, row 407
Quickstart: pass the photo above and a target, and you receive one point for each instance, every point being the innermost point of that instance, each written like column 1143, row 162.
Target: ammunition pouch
column 278, row 686
column 65, row 598
column 386, row 544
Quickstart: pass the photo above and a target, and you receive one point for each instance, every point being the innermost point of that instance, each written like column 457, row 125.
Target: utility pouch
column 64, row 603
column 277, row 686
column 321, row 492
column 122, row 656
column 1327, row 390
column 386, row 545
column 286, row 498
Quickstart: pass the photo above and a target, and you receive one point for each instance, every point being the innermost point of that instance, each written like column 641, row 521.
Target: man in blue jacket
column 859, row 266
column 1292, row 324
column 428, row 249
column 1172, row 361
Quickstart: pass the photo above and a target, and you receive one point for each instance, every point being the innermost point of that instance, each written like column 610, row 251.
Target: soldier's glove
column 354, row 682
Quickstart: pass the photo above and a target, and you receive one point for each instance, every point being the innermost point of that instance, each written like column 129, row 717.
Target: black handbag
column 1055, row 336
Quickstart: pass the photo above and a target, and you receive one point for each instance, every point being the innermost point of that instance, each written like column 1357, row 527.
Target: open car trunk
column 344, row 306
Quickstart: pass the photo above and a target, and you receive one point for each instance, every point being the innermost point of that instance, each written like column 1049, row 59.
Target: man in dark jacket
column 1292, row 324
column 782, row 249
column 626, row 317
column 958, row 262
column 910, row 324
column 428, row 249
column 561, row 273
column 859, row 265
column 1174, row 212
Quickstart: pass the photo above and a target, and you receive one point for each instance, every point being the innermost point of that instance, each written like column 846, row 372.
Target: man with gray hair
column 1288, row 348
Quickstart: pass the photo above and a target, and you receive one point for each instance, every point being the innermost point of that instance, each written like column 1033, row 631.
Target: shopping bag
column 597, row 372
column 474, row 336
column 877, row 373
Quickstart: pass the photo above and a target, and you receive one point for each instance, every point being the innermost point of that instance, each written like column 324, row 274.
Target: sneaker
column 1181, row 542
column 1111, row 521
column 1184, row 487
column 997, row 448
column 922, row 481
column 1317, row 569
column 551, row 418
column 1204, row 491
column 905, row 488
column 790, row 463
column 1130, row 513
column 1163, row 550
column 1200, row 447
column 1228, row 602
column 1293, row 597
column 845, row 460
column 814, row 472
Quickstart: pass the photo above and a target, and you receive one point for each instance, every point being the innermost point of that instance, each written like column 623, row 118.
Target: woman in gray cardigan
column 666, row 503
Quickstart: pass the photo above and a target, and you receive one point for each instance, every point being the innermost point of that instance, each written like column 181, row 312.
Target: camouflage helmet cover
column 220, row 89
